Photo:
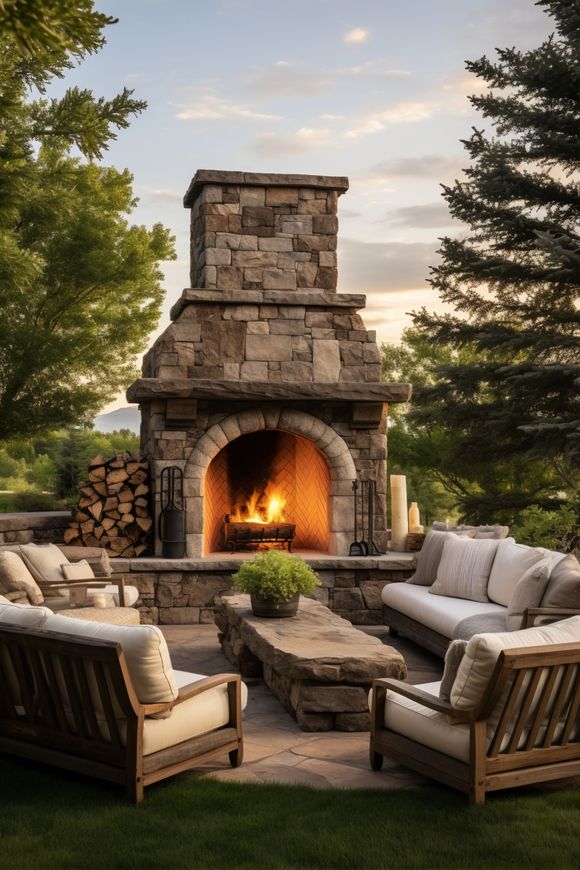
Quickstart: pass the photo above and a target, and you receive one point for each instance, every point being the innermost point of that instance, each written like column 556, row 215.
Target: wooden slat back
column 70, row 694
column 534, row 695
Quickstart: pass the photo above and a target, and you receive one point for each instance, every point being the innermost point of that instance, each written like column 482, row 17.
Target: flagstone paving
column 275, row 749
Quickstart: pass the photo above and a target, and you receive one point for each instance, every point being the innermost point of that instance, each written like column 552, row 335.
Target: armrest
column 557, row 613
column 93, row 583
column 414, row 693
column 16, row 596
column 187, row 692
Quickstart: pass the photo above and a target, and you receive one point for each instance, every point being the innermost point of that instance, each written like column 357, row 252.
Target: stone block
column 351, row 353
column 314, row 721
column 222, row 208
column 279, row 279
column 223, row 341
column 294, row 225
column 275, row 244
column 325, row 224
column 178, row 615
column 348, row 599
column 281, row 196
column 306, row 274
column 296, row 371
column 218, row 257
column 327, row 259
column 287, row 327
column 326, row 279
column 217, row 223
column 254, row 371
column 315, row 698
column 316, row 242
column 319, row 318
column 311, row 206
column 243, row 312
column 268, row 347
column 325, row 360
column 352, row 721
column 255, row 259
column 291, row 259
column 211, row 193
column 345, row 580
column 258, row 327
column 371, row 593
column 257, row 216
column 252, row 196
column 229, row 278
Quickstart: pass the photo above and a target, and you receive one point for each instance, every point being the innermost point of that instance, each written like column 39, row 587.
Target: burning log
column 248, row 534
column 113, row 509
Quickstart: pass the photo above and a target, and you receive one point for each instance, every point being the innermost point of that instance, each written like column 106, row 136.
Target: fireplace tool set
column 366, row 546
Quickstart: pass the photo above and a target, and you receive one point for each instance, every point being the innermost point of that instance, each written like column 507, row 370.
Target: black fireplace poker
column 366, row 546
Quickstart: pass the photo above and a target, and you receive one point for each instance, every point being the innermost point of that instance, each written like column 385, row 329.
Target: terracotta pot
column 274, row 609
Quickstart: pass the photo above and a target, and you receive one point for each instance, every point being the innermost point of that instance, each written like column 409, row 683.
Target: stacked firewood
column 113, row 509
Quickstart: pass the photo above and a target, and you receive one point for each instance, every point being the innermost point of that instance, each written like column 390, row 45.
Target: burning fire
column 263, row 506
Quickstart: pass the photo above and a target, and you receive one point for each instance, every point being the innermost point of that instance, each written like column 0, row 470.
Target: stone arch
column 333, row 447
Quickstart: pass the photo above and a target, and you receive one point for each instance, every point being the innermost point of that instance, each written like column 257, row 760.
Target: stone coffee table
column 317, row 664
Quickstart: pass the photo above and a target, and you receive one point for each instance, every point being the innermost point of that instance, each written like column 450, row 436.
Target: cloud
column 166, row 194
column 284, row 78
column 402, row 113
column 385, row 267
column 350, row 213
column 332, row 117
column 213, row 108
column 357, row 35
column 284, row 145
column 431, row 214
column 426, row 166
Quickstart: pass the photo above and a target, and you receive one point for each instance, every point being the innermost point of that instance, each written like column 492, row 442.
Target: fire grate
column 253, row 534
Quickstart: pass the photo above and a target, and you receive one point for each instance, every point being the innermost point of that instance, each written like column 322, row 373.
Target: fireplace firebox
column 266, row 389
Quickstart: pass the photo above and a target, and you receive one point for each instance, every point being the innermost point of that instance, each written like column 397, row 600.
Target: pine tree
column 80, row 287
column 513, row 279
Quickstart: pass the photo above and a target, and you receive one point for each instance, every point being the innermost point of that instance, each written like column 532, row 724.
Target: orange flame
column 266, row 506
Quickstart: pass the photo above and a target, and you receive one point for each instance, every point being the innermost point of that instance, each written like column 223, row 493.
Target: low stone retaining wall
column 34, row 526
column 184, row 591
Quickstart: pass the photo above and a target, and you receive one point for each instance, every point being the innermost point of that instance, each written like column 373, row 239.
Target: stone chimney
column 252, row 231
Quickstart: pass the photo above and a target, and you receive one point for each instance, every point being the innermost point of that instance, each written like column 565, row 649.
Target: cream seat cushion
column 426, row 726
column 437, row 612
column 482, row 653
column 509, row 566
column 145, row 650
column 192, row 718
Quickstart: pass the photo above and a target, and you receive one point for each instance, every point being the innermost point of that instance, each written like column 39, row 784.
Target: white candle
column 99, row 599
column 399, row 514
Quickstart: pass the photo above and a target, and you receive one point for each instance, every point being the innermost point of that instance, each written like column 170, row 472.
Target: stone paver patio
column 275, row 749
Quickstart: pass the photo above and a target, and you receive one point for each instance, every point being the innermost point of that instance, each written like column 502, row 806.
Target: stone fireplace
column 266, row 387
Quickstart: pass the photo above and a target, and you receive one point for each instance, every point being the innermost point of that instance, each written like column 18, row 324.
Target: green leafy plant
column 558, row 530
column 276, row 576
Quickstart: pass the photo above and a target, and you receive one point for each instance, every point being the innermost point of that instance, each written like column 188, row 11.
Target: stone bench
column 317, row 664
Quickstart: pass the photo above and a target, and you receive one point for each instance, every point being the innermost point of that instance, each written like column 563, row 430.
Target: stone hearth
column 264, row 344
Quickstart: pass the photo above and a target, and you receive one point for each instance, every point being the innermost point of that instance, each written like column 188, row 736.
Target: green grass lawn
column 53, row 819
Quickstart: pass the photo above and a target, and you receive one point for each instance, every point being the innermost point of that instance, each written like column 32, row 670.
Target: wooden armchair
column 526, row 729
column 71, row 703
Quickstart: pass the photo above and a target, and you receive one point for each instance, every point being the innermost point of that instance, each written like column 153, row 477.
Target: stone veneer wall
column 186, row 592
column 33, row 527
column 264, row 237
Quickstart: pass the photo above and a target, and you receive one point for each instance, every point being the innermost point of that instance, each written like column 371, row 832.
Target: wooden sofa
column 512, row 719
column 92, row 703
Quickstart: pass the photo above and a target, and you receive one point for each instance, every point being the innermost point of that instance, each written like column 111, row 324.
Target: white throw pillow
column 511, row 563
column 15, row 577
column 44, row 561
column 464, row 568
column 528, row 592
column 482, row 653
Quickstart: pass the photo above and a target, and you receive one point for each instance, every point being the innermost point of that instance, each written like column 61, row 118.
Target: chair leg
column 237, row 755
column 376, row 759
column 135, row 790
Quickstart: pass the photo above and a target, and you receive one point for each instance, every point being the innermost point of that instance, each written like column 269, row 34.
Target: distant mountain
column 122, row 418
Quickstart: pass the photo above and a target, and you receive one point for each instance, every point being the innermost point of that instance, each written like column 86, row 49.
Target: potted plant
column 274, row 581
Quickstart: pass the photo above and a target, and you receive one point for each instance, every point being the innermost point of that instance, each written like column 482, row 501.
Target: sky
column 374, row 89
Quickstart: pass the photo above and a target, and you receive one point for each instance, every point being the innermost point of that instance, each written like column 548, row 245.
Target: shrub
column 556, row 530
column 276, row 576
